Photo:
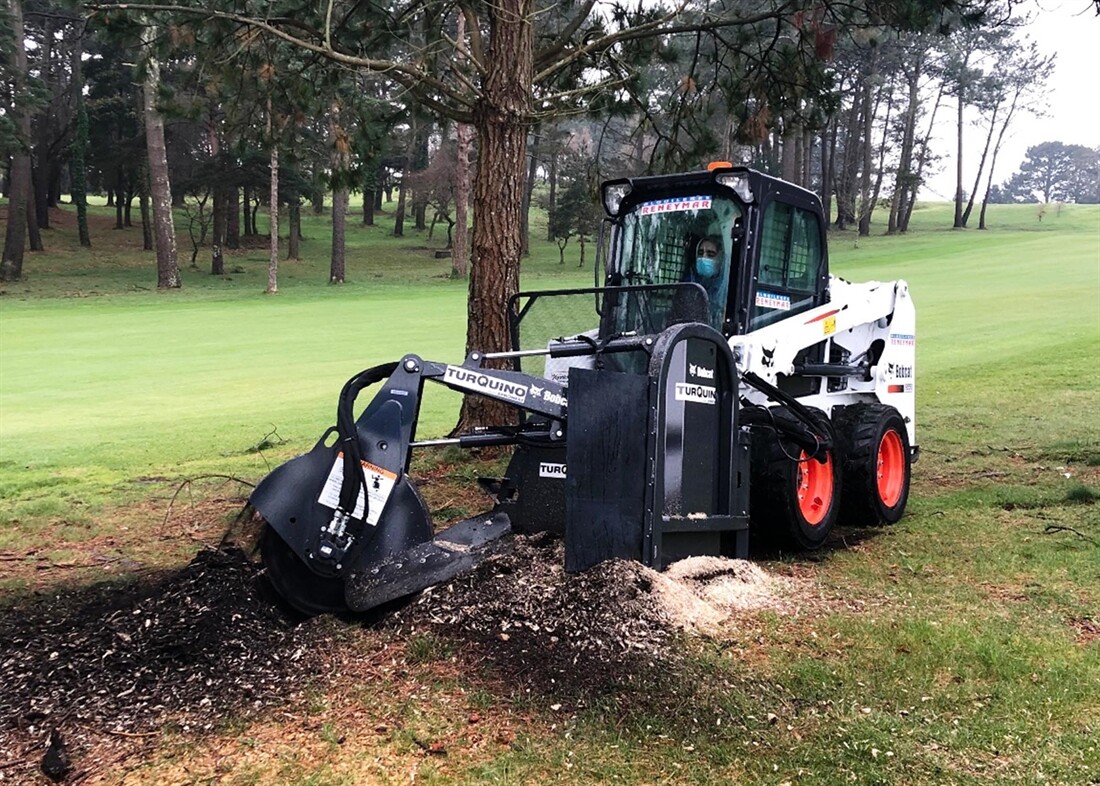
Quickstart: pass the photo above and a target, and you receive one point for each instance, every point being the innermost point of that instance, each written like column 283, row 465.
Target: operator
column 708, row 263
column 708, row 270
column 705, row 268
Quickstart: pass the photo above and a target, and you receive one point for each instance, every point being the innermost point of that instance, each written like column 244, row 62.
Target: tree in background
column 16, row 138
column 1056, row 172
column 577, row 212
column 79, row 152
column 515, row 75
column 1016, row 85
column 164, row 230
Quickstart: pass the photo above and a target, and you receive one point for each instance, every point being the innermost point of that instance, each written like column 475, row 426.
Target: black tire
column 784, row 508
column 877, row 464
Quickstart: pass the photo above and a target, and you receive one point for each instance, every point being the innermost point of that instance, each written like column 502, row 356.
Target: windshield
column 679, row 239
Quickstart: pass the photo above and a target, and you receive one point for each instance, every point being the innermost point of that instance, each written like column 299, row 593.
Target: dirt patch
column 189, row 649
column 1087, row 630
column 118, row 544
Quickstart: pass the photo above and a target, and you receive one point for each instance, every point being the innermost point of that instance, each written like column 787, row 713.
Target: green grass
column 950, row 648
column 105, row 382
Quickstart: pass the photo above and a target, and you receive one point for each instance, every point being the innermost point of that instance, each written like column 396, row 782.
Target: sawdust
column 188, row 649
column 700, row 594
column 589, row 632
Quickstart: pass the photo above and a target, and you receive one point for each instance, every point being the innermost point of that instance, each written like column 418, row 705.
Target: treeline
column 252, row 119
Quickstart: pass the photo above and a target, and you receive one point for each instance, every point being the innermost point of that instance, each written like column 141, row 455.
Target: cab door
column 791, row 271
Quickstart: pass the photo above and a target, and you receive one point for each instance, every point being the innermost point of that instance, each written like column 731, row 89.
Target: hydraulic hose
column 354, row 479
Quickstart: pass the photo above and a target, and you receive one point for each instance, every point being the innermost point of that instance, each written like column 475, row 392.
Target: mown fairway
column 960, row 646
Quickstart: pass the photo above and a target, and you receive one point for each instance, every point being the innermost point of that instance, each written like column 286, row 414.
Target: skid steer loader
column 717, row 381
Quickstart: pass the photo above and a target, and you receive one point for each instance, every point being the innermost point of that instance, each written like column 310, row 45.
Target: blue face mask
column 706, row 267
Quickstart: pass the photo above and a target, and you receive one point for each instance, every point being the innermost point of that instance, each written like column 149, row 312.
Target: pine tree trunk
column 168, row 274
column 79, row 168
column 143, row 206
column 532, row 169
column 865, row 204
column 118, row 202
column 460, row 255
column 958, row 224
column 399, row 213
column 981, row 166
column 419, row 164
column 460, row 252
column 273, row 213
column 44, row 121
column 34, row 233
column 246, row 210
column 233, row 219
column 501, row 117
column 370, row 181
column 828, row 168
column 552, row 199
column 789, row 155
column 993, row 160
column 880, row 167
column 217, row 240
column 294, row 238
column 922, row 159
column 903, row 181
column 19, row 177
column 339, row 234
column 845, row 187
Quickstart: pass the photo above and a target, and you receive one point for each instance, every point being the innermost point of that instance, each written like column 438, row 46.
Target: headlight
column 613, row 195
column 739, row 183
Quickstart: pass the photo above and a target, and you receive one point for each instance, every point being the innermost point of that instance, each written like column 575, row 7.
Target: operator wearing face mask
column 707, row 270
column 708, row 263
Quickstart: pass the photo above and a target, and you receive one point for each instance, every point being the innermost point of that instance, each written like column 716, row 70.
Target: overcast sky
column 1071, row 30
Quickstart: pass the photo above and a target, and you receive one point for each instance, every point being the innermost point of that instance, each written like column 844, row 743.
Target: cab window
column 790, row 264
column 665, row 241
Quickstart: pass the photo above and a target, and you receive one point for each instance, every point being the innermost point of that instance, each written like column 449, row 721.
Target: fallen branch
column 187, row 484
column 1051, row 528
column 132, row 734
column 97, row 563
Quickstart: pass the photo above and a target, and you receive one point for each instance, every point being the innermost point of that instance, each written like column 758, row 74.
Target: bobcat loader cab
column 844, row 350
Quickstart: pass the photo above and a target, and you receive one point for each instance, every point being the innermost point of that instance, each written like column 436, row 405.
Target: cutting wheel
column 303, row 589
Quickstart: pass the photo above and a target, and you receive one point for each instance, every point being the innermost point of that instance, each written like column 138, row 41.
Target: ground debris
column 582, row 633
column 190, row 648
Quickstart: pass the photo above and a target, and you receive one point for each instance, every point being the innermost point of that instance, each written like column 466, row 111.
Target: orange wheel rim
column 890, row 469
column 815, row 488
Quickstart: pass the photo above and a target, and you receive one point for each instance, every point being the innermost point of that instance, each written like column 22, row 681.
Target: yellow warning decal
column 380, row 483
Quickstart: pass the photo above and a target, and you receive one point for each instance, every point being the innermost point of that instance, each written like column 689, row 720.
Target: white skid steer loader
column 718, row 382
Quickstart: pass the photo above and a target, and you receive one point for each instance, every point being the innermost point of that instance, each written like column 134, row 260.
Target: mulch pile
column 187, row 649
column 209, row 642
column 550, row 631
